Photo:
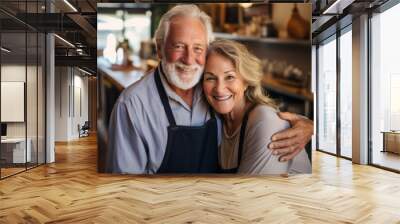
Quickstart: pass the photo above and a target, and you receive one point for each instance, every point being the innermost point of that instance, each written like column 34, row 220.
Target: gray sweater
column 263, row 122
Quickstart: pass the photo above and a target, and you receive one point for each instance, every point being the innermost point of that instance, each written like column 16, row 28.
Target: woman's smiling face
column 223, row 87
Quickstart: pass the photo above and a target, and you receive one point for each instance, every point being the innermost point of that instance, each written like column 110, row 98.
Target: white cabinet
column 16, row 148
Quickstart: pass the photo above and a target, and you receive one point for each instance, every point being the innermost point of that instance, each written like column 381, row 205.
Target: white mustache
column 187, row 68
column 190, row 77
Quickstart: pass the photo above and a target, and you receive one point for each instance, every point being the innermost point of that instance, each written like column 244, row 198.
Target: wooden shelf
column 291, row 91
column 120, row 78
column 278, row 41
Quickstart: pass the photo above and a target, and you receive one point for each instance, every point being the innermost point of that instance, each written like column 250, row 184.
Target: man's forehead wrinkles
column 190, row 42
column 179, row 25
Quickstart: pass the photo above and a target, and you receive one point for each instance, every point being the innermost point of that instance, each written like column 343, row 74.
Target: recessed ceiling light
column 5, row 50
column 64, row 40
column 246, row 5
column 337, row 7
column 70, row 5
column 86, row 72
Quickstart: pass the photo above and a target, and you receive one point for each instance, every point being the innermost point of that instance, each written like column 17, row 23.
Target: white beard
column 176, row 79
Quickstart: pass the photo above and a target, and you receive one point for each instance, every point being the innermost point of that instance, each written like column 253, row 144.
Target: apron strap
column 242, row 133
column 212, row 113
column 164, row 97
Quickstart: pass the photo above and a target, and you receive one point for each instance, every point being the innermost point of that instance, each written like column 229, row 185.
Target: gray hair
column 182, row 10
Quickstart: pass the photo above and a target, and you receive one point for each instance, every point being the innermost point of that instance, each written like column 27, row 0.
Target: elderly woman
column 232, row 86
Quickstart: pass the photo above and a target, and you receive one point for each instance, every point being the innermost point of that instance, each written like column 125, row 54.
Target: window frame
column 335, row 36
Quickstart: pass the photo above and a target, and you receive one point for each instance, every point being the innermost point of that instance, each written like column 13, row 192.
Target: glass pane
column 13, row 87
column 32, row 73
column 385, row 84
column 31, row 97
column 22, row 79
column 346, row 94
column 327, row 97
column 41, row 99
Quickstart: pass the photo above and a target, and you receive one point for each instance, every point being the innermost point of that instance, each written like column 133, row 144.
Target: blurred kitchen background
column 279, row 34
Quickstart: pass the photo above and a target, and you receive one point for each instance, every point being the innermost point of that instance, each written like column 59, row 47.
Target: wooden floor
column 71, row 191
column 387, row 159
column 5, row 172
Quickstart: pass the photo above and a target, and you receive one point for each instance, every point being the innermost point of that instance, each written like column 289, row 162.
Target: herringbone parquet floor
column 71, row 191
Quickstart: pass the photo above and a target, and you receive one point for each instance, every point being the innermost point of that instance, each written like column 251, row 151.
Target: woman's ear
column 246, row 90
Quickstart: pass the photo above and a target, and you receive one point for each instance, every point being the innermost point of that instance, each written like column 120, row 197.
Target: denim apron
column 190, row 149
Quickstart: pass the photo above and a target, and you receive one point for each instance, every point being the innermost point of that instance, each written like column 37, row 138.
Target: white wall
column 81, row 81
column 71, row 94
column 33, row 126
column 17, row 73
column 62, row 81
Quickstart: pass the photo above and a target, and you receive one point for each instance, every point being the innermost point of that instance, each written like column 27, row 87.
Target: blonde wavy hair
column 247, row 66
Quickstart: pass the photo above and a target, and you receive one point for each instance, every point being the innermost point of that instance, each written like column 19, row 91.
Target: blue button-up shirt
column 137, row 135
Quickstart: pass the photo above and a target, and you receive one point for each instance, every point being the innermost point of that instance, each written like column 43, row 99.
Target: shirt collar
column 197, row 94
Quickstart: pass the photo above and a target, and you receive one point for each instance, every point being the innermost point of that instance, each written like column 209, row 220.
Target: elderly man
column 162, row 124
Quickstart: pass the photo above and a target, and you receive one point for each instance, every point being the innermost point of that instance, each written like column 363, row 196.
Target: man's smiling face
column 184, row 51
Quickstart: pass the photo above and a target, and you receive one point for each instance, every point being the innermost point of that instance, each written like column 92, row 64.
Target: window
column 385, row 86
column 327, row 96
column 346, row 94
column 394, row 117
column 22, row 78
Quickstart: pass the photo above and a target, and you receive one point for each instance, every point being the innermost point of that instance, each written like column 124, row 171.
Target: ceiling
column 72, row 20
column 336, row 14
column 75, row 21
